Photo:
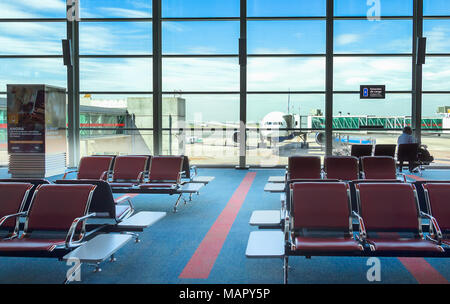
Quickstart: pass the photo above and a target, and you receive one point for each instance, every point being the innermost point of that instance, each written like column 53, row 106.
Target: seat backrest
column 32, row 181
column 102, row 199
column 321, row 206
column 129, row 167
column 166, row 168
column 341, row 167
column 438, row 199
column 304, row 167
column 385, row 150
column 361, row 150
column 54, row 207
column 379, row 167
column 388, row 206
column 94, row 167
column 13, row 198
column 407, row 152
column 186, row 167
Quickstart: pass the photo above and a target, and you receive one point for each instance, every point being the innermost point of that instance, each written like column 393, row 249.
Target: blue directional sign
column 373, row 92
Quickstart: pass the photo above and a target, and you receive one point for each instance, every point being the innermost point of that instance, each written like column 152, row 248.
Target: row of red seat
column 131, row 170
column 71, row 219
column 341, row 167
column 54, row 220
column 321, row 220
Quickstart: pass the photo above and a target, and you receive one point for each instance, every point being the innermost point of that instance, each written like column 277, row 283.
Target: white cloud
column 346, row 39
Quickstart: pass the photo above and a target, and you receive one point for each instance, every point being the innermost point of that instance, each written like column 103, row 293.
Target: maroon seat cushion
column 12, row 196
column 390, row 207
column 321, row 206
column 304, row 167
column 165, row 168
column 158, row 185
column 54, row 207
column 404, row 245
column 129, row 167
column 439, row 195
column 327, row 244
column 94, row 167
column 26, row 244
column 341, row 167
column 122, row 185
column 379, row 167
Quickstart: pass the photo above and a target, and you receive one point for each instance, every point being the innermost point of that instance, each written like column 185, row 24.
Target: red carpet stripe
column 201, row 263
column 414, row 177
column 131, row 195
column 422, row 271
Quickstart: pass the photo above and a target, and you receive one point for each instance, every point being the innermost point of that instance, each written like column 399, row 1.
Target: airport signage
column 373, row 92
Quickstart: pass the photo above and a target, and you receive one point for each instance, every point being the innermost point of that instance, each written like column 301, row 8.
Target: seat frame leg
column 285, row 269
column 176, row 203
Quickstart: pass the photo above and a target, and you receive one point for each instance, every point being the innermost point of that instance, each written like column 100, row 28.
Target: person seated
column 406, row 137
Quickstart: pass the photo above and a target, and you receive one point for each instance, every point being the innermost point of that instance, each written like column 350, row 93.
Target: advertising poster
column 26, row 119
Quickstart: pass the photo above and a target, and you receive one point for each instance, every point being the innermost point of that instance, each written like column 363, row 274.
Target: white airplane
column 278, row 127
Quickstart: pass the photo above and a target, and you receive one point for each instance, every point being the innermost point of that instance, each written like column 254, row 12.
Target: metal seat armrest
column 67, row 173
column 141, row 177
column 104, row 175
column 434, row 224
column 69, row 237
column 194, row 168
column 403, row 175
column 6, row 217
column 362, row 226
column 128, row 200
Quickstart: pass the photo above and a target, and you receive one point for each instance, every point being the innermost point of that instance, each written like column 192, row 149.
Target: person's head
column 407, row 130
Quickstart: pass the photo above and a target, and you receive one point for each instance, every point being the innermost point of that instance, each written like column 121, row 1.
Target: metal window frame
column 73, row 74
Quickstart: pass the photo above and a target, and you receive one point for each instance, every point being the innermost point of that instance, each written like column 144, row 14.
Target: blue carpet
column 166, row 247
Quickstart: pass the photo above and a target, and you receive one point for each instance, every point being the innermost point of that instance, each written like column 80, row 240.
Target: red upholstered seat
column 94, row 167
column 379, row 167
column 438, row 199
column 437, row 196
column 54, row 208
column 122, row 185
column 327, row 244
column 322, row 207
column 129, row 169
column 27, row 244
column 399, row 244
column 158, row 185
column 341, row 167
column 13, row 197
column 304, row 167
column 391, row 208
column 165, row 168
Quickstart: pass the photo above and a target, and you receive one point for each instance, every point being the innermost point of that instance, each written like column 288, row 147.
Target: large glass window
column 286, row 8
column 435, row 100
column 201, row 79
column 30, row 50
column 116, row 78
column 363, row 8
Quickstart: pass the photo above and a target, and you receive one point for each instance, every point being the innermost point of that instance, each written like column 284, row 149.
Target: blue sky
column 221, row 37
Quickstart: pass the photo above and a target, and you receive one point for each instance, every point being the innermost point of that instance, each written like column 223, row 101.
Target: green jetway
column 357, row 122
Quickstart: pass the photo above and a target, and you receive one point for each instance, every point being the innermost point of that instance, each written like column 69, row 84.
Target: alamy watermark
column 73, row 10
column 374, row 11
column 374, row 272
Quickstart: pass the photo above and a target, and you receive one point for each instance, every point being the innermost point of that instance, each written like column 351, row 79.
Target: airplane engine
column 320, row 138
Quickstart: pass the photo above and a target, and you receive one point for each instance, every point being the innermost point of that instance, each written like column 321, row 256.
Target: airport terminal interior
column 225, row 142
